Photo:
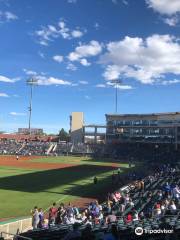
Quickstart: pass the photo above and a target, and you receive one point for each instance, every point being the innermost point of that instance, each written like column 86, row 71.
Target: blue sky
column 76, row 49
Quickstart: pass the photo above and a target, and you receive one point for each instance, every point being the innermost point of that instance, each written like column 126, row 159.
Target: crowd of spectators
column 125, row 151
column 9, row 147
column 152, row 202
column 35, row 148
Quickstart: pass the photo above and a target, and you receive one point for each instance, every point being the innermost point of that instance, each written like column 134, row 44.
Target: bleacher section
column 151, row 210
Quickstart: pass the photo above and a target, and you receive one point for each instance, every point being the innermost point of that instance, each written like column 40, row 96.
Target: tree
column 63, row 135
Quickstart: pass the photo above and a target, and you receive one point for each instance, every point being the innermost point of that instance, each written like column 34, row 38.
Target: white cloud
column 71, row 67
column 168, row 7
column 124, row 87
column 84, row 62
column 10, row 16
column 83, row 82
column 112, row 72
column 146, row 60
column 42, row 79
column 101, row 86
column 170, row 82
column 4, row 95
column 119, row 86
column 49, row 33
column 58, row 58
column 8, row 80
column 30, row 72
column 125, row 2
column 83, row 51
column 76, row 33
column 17, row 114
column 7, row 16
column 171, row 21
column 46, row 81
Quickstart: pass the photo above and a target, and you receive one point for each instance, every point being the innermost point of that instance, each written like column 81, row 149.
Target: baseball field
column 40, row 181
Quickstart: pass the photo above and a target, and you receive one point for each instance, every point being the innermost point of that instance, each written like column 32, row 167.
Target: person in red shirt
column 128, row 218
column 53, row 213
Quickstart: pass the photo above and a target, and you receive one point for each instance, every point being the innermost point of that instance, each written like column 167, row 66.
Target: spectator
column 41, row 217
column 35, row 217
column 111, row 218
column 176, row 192
column 53, row 214
column 172, row 207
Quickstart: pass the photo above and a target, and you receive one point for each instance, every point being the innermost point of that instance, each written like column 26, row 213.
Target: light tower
column 116, row 83
column 31, row 82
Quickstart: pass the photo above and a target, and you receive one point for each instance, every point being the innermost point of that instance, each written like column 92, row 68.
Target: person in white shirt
column 172, row 207
column 176, row 192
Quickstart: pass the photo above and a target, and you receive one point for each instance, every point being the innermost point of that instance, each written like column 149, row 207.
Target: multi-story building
column 155, row 127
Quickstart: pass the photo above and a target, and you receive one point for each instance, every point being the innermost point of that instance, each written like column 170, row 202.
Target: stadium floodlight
column 115, row 83
column 31, row 82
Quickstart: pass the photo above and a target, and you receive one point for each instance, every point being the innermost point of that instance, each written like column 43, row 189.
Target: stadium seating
column 145, row 201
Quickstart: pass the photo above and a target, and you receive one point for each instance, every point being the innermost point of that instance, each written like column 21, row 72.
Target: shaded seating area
column 151, row 203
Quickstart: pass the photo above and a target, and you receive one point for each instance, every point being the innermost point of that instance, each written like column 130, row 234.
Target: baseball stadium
column 121, row 177
column 89, row 120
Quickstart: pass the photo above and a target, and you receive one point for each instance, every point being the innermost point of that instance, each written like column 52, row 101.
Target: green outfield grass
column 22, row 189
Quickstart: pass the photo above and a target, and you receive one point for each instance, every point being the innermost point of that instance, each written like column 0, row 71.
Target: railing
column 50, row 148
column 12, row 227
column 15, row 235
column 23, row 145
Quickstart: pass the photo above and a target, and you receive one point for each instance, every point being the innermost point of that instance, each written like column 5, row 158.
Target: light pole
column 31, row 82
column 116, row 83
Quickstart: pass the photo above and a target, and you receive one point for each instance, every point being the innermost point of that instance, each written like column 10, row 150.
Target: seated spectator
column 45, row 223
column 157, row 210
column 117, row 195
column 176, row 192
column 101, row 217
column 159, row 195
column 172, row 207
column 129, row 218
column 167, row 188
column 75, row 211
column 126, row 199
column 163, row 208
column 131, row 204
column 135, row 215
column 83, row 217
column 111, row 218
